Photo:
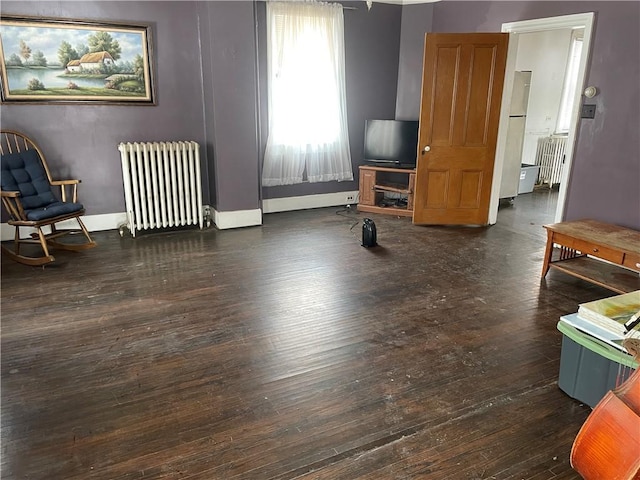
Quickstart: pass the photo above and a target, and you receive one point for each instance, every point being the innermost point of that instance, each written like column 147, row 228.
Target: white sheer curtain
column 307, row 106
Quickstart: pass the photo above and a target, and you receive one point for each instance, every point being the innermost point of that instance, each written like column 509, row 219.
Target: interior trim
column 578, row 20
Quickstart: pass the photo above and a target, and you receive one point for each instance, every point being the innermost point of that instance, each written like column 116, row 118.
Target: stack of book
column 610, row 319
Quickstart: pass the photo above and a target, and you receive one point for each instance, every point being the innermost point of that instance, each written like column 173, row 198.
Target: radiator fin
column 162, row 184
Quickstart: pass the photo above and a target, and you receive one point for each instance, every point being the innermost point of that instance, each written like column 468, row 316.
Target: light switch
column 588, row 111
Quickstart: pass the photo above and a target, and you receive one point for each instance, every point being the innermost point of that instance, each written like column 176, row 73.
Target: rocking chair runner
column 26, row 191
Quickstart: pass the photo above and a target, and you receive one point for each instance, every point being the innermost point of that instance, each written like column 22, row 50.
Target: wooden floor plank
column 290, row 351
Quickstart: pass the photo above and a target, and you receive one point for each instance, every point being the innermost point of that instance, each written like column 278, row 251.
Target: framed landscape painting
column 75, row 61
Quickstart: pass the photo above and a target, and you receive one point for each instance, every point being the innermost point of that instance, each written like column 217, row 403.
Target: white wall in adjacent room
column 545, row 55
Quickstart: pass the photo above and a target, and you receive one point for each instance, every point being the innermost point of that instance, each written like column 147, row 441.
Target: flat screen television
column 391, row 142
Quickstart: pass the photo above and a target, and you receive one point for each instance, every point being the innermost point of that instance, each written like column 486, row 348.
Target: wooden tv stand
column 583, row 244
column 373, row 186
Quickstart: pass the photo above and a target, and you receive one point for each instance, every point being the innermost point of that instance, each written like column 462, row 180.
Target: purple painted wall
column 416, row 22
column 231, row 102
column 81, row 141
column 210, row 90
column 606, row 168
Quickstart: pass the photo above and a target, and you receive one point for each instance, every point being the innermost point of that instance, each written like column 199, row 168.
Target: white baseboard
column 222, row 220
column 113, row 221
column 94, row 223
column 286, row 204
column 107, row 221
column 237, row 219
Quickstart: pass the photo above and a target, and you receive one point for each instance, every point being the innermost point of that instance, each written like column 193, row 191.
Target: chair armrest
column 63, row 184
column 11, row 193
column 11, row 201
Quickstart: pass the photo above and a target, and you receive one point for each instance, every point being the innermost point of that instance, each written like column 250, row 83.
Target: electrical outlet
column 349, row 198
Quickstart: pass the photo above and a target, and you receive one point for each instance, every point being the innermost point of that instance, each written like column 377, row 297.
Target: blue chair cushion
column 54, row 209
column 24, row 172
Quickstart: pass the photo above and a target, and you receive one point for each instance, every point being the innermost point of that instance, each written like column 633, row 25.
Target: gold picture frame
column 75, row 61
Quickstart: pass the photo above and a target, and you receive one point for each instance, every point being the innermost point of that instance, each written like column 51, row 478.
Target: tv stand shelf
column 373, row 185
column 396, row 188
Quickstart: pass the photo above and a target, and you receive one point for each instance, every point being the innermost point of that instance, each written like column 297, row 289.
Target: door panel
column 478, row 108
column 461, row 93
column 470, row 186
column 441, row 104
column 437, row 182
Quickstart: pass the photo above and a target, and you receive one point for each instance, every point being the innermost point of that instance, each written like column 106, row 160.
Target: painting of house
column 74, row 66
column 93, row 61
column 38, row 55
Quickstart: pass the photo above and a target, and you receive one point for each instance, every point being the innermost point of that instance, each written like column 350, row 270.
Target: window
column 308, row 136
column 570, row 82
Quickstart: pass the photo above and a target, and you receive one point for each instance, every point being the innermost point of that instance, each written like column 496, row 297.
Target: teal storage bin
column 589, row 366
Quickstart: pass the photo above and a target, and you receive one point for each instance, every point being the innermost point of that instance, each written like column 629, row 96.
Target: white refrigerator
column 515, row 135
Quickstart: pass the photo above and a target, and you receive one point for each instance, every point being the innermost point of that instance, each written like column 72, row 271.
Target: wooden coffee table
column 600, row 253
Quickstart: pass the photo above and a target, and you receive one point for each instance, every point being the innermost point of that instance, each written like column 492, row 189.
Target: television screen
column 391, row 141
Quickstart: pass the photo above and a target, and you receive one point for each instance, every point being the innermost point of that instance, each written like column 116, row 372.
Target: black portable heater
column 369, row 233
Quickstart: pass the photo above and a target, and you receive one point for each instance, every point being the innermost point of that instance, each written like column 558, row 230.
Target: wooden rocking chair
column 27, row 195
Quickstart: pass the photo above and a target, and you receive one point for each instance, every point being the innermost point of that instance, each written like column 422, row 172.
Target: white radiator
column 550, row 158
column 162, row 185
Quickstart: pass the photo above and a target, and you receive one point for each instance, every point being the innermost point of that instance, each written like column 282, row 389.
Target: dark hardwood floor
column 290, row 351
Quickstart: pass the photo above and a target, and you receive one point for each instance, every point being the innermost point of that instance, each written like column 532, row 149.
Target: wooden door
column 463, row 75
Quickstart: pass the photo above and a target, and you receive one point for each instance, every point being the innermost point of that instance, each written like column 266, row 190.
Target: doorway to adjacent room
column 538, row 30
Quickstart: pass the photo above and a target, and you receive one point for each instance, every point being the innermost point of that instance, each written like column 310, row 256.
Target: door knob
column 426, row 149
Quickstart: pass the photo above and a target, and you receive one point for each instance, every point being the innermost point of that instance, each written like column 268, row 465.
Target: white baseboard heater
column 162, row 185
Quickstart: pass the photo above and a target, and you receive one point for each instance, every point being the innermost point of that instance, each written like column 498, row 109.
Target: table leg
column 547, row 253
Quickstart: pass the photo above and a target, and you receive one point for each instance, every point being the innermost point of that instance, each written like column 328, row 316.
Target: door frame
column 578, row 20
